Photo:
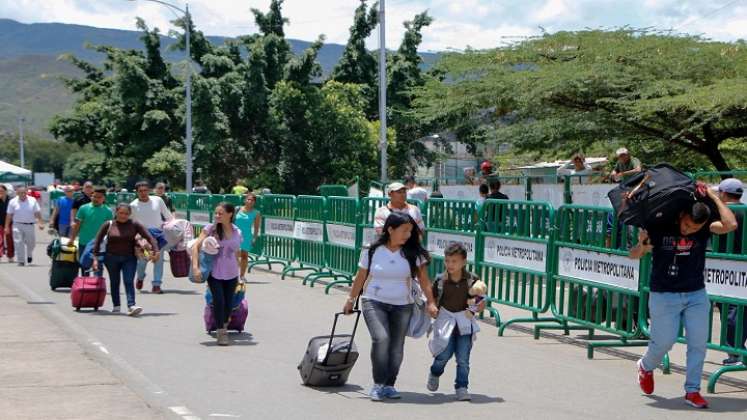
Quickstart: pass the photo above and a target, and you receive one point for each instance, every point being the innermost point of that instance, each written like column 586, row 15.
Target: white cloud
column 458, row 23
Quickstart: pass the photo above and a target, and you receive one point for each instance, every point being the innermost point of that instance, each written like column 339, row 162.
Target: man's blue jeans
column 461, row 345
column 667, row 311
column 157, row 267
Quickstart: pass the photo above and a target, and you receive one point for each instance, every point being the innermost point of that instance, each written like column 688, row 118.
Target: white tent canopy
column 13, row 172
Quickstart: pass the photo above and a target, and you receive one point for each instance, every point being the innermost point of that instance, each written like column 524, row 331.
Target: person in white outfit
column 151, row 212
column 22, row 211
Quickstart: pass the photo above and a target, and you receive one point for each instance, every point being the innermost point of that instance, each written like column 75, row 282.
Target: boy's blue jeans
column 667, row 311
column 461, row 345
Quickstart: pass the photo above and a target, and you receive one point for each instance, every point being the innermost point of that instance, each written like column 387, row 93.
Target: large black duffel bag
column 653, row 196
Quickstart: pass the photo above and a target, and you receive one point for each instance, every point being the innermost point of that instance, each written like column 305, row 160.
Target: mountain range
column 30, row 69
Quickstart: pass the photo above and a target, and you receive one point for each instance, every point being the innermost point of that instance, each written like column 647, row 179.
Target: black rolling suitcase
column 330, row 358
column 652, row 196
column 62, row 274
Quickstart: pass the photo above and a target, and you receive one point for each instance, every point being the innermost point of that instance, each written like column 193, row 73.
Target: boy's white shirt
column 444, row 325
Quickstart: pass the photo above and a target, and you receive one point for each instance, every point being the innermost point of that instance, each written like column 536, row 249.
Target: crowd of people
column 392, row 272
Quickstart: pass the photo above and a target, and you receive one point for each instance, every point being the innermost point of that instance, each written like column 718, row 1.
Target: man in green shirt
column 626, row 166
column 239, row 189
column 89, row 219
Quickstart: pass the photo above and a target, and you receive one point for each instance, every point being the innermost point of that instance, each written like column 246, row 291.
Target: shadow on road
column 439, row 398
column 717, row 404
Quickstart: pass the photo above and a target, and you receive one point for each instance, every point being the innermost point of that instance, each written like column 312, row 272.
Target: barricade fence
column 568, row 267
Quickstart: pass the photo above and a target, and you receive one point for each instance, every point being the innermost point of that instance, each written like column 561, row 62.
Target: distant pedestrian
column 225, row 270
column 495, row 190
column 248, row 221
column 82, row 199
column 577, row 166
column 160, row 191
column 239, row 188
column 21, row 212
column 62, row 213
column 119, row 256
column 200, row 187
column 626, row 166
column 6, row 231
column 414, row 191
column 151, row 212
column 88, row 220
column 397, row 203
column 386, row 271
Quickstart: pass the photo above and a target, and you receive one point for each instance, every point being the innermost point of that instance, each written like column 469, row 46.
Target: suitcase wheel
column 53, row 288
column 77, row 309
column 95, row 309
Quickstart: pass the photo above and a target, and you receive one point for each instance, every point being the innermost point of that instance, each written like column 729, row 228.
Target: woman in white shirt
column 394, row 261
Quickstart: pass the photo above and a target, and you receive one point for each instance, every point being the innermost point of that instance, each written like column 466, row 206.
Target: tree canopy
column 554, row 94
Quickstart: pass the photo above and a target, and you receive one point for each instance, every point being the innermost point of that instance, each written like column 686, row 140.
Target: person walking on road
column 6, row 232
column 119, row 257
column 21, row 212
column 62, row 212
column 225, row 271
column 397, row 204
column 160, row 191
column 151, row 212
column 678, row 291
column 393, row 262
column 83, row 199
column 248, row 221
column 88, row 221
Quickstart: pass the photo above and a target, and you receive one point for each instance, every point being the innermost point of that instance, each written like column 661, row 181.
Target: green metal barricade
column 236, row 200
column 111, row 199
column 450, row 221
column 715, row 177
column 343, row 244
column 368, row 208
column 278, row 244
column 309, row 235
column 127, row 197
column 515, row 242
column 596, row 286
column 333, row 190
column 200, row 209
column 726, row 283
column 181, row 205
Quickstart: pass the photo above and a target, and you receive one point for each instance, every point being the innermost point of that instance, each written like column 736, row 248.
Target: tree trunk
column 716, row 158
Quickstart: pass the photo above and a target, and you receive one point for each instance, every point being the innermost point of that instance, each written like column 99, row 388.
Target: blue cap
column 731, row 186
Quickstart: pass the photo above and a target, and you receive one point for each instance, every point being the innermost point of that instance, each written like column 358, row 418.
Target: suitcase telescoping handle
column 357, row 313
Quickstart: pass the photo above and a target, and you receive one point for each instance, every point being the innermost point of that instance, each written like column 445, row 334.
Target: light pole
column 188, row 87
column 382, row 90
column 21, row 120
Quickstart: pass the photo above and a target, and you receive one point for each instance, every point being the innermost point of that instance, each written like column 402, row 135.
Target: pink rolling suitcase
column 88, row 292
column 236, row 321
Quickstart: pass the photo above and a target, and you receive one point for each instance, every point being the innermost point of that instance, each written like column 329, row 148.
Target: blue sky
column 458, row 23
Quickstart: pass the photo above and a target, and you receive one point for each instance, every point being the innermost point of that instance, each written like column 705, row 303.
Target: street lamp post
column 21, row 145
column 188, row 87
column 382, row 90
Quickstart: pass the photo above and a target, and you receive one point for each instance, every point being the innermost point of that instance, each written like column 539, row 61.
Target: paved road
column 168, row 360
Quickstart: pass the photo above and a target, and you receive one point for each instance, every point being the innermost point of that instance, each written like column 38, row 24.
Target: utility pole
column 21, row 120
column 188, row 140
column 382, row 90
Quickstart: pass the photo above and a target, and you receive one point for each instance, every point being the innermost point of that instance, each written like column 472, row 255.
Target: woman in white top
column 393, row 261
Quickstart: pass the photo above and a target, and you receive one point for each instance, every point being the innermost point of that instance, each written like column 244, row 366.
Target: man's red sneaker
column 645, row 379
column 157, row 290
column 695, row 400
column 139, row 284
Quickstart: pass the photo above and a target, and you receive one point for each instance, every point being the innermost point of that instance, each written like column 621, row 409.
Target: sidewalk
column 45, row 374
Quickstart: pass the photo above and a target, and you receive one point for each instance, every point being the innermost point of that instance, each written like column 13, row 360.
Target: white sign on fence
column 460, row 192
column 438, row 242
column 615, row 270
column 309, row 231
column 525, row 254
column 592, row 194
column 200, row 217
column 726, row 278
column 369, row 235
column 341, row 235
column 279, row 227
column 552, row 193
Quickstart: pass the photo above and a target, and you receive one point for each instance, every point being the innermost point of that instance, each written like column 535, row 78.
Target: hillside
column 30, row 71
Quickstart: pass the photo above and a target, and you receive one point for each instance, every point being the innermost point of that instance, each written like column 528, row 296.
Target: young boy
column 455, row 328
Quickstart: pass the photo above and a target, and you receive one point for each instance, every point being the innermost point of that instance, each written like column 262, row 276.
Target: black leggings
column 222, row 291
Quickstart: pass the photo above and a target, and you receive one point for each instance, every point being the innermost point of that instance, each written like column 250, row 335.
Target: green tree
column 168, row 165
column 564, row 91
column 41, row 154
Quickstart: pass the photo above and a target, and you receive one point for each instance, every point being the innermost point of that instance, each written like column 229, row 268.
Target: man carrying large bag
column 677, row 223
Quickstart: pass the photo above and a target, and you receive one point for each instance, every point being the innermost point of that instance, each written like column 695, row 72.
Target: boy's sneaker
column 376, row 392
column 432, row 384
column 116, row 309
column 139, row 284
column 732, row 360
column 157, row 290
column 391, row 393
column 645, row 379
column 463, row 395
column 134, row 310
column 694, row 399
column 29, row 259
